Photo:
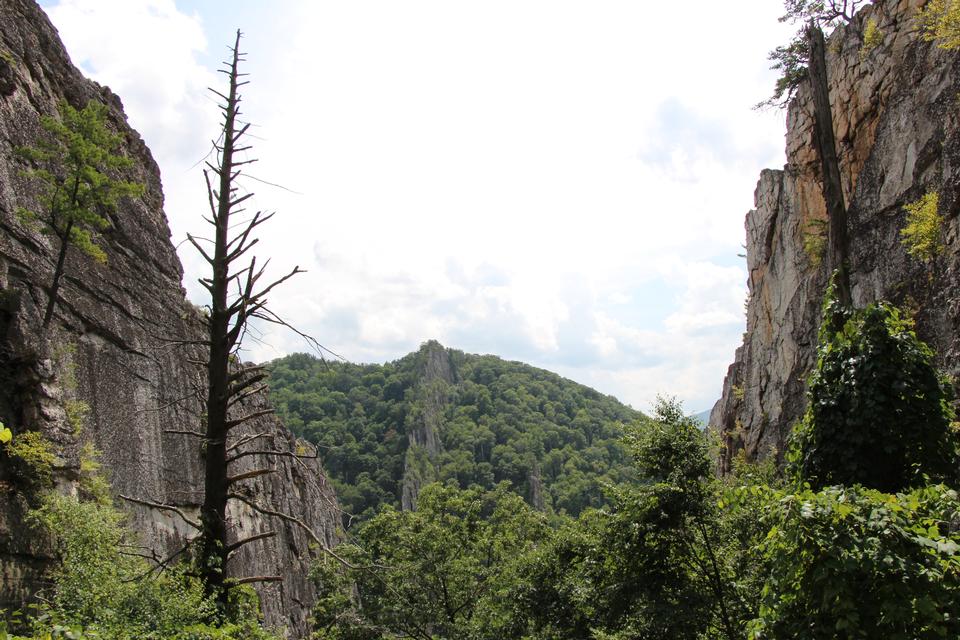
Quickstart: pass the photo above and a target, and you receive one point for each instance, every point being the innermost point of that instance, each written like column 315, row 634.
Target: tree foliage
column 940, row 22
column 103, row 587
column 857, row 563
column 442, row 571
column 921, row 236
column 651, row 564
column 791, row 60
column 879, row 414
column 76, row 164
column 501, row 421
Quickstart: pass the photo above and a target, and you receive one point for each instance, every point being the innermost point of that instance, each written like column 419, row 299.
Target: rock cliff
column 895, row 108
column 113, row 354
column 436, row 375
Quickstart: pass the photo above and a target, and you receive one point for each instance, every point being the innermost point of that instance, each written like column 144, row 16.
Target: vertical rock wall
column 113, row 348
column 435, row 375
column 895, row 110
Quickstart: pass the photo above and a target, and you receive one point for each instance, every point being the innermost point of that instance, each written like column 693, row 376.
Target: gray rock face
column 436, row 377
column 113, row 348
column 896, row 122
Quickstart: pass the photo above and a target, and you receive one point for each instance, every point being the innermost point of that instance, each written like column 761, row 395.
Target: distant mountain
column 703, row 417
column 439, row 414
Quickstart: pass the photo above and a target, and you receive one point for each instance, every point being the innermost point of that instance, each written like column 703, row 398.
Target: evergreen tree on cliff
column 76, row 163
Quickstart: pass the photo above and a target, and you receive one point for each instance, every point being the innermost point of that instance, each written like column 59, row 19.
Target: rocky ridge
column 119, row 352
column 895, row 112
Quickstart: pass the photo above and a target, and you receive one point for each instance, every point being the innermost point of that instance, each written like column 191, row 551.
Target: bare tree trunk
column 57, row 273
column 838, row 243
column 213, row 551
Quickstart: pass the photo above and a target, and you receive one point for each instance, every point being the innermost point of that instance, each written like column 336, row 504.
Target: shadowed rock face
column 114, row 347
column 895, row 112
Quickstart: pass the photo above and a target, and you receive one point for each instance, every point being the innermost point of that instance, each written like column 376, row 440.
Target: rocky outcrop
column 436, row 376
column 117, row 369
column 896, row 121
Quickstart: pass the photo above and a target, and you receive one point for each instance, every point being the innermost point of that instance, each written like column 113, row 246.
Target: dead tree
column 236, row 296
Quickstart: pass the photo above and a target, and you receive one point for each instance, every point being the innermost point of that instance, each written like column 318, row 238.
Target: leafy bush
column 815, row 241
column 33, row 459
column 879, row 413
column 872, row 38
column 101, row 588
column 940, row 21
column 445, row 567
column 858, row 563
column 104, row 589
column 659, row 562
column 921, row 236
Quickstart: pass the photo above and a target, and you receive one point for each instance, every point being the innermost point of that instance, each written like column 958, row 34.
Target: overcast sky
column 558, row 182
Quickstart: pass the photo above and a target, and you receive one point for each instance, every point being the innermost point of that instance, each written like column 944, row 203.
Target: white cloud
column 557, row 182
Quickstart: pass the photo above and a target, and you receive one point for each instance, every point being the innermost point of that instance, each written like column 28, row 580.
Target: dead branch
column 247, row 475
column 163, row 507
column 230, row 424
column 186, row 432
column 245, row 439
column 239, row 581
column 287, row 454
column 239, row 543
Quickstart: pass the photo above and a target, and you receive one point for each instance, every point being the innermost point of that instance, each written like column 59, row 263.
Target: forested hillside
column 474, row 420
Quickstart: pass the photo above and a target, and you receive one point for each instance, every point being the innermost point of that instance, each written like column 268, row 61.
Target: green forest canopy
column 497, row 421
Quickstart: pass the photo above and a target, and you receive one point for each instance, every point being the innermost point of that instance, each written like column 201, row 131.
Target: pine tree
column 75, row 163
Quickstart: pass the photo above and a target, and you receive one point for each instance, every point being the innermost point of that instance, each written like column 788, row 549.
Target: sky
column 558, row 182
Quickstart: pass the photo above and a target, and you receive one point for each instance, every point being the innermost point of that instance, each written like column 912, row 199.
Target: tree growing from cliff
column 76, row 163
column 792, row 59
column 940, row 22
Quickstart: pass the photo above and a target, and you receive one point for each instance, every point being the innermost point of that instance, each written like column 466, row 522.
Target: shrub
column 104, row 589
column 921, row 236
column 879, row 413
column 815, row 241
column 940, row 21
column 858, row 563
column 33, row 458
column 872, row 38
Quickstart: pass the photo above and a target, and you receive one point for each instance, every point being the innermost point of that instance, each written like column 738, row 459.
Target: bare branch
column 245, row 370
column 196, row 245
column 210, row 192
column 239, row 581
column 239, row 543
column 245, row 439
column 163, row 507
column 297, row 521
column 186, row 432
column 247, row 475
column 240, row 397
column 263, row 452
column 250, row 416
